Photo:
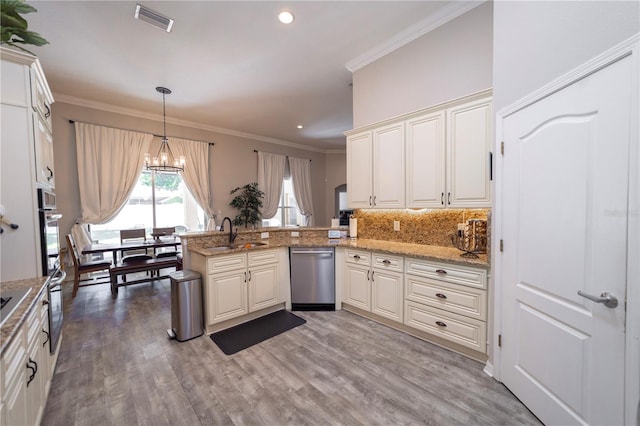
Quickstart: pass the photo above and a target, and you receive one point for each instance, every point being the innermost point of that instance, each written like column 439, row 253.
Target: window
column 157, row 200
column 288, row 213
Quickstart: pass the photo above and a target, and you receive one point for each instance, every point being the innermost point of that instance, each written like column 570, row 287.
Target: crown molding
column 442, row 16
column 192, row 124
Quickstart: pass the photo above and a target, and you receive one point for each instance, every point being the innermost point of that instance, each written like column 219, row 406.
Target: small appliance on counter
column 472, row 238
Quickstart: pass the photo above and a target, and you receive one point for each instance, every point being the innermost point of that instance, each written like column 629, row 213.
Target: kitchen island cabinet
column 242, row 286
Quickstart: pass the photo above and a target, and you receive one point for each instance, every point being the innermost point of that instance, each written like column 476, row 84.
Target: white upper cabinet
column 359, row 170
column 435, row 158
column 375, row 168
column 425, row 144
column 468, row 145
column 388, row 167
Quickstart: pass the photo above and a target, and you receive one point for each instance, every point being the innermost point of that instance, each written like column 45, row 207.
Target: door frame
column 629, row 47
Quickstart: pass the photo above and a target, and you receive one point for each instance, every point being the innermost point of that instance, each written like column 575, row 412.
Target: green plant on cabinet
column 248, row 202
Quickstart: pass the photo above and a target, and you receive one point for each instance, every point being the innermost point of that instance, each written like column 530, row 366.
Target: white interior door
column 565, row 216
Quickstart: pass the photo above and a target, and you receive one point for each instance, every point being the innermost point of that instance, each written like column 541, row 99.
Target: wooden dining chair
column 131, row 256
column 83, row 267
column 166, row 231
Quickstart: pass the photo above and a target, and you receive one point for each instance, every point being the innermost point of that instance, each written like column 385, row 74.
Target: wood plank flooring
column 117, row 367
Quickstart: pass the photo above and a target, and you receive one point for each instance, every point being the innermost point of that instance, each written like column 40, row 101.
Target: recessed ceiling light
column 299, row 126
column 286, row 17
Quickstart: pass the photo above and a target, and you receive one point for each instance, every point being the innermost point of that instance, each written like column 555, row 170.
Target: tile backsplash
column 432, row 227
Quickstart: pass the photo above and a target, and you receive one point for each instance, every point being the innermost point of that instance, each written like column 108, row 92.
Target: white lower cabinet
column 238, row 284
column 374, row 283
column 448, row 301
column 26, row 370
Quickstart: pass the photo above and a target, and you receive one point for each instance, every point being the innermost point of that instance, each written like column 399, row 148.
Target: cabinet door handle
column 442, row 198
column 449, row 198
column 440, row 324
column 245, row 276
column 249, row 275
column 48, row 113
column 50, row 173
column 374, row 201
column 34, row 369
column 440, row 271
column 372, row 274
column 45, row 302
column 48, row 337
column 441, row 296
column 368, row 279
column 370, row 201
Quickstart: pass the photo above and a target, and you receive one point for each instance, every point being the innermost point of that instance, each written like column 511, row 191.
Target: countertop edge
column 19, row 316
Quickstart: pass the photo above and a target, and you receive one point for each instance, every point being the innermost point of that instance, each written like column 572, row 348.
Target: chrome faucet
column 232, row 236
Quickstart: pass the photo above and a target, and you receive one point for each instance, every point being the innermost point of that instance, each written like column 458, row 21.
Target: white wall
column 535, row 42
column 233, row 162
column 336, row 175
column 452, row 61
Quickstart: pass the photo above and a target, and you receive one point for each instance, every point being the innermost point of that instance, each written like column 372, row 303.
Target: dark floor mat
column 242, row 336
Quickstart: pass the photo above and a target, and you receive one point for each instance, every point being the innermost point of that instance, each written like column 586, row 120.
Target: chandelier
column 164, row 161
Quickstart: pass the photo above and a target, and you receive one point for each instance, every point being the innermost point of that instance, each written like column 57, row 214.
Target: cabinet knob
column 440, row 324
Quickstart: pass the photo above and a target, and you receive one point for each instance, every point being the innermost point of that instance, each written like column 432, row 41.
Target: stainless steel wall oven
column 51, row 265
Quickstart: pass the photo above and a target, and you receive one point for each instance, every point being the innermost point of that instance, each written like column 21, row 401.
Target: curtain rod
column 255, row 150
column 154, row 135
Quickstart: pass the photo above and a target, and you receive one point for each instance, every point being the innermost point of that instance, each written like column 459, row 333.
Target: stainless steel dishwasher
column 313, row 286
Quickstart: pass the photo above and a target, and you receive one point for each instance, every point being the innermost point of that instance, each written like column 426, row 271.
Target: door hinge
column 501, row 245
column 502, row 147
column 499, row 340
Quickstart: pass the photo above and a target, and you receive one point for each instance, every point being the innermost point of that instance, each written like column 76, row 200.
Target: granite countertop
column 421, row 251
column 18, row 317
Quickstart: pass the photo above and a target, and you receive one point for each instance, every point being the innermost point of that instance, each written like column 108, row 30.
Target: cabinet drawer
column 13, row 360
column 455, row 328
column 389, row 263
column 467, row 301
column 359, row 257
column 455, row 274
column 262, row 257
column 223, row 263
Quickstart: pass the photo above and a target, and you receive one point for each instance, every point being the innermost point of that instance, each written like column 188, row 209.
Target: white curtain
column 270, row 177
column 196, row 172
column 300, row 170
column 109, row 163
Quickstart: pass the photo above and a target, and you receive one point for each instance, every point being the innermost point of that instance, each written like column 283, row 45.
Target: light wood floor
column 117, row 367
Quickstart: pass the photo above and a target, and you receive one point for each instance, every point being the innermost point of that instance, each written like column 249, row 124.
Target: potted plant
column 14, row 27
column 248, row 202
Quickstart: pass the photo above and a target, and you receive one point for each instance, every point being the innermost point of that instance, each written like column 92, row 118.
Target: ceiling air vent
column 154, row 18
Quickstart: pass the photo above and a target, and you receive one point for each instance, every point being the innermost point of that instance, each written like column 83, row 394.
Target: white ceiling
column 230, row 64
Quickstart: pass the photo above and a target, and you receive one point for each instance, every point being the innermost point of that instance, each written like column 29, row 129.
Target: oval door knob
column 607, row 299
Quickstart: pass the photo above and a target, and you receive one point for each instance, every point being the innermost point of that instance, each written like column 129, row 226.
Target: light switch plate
column 396, row 225
column 264, row 235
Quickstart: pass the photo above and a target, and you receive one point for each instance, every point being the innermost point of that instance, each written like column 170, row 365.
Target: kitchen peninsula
column 426, row 290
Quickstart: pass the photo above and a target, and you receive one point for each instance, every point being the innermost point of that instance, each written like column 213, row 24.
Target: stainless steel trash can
column 186, row 305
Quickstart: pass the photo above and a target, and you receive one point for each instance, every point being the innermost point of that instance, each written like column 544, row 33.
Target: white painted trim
column 433, row 21
column 631, row 46
column 614, row 54
column 61, row 98
column 437, row 107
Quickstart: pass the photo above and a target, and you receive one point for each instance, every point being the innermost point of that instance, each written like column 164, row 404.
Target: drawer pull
column 440, row 271
column 441, row 296
column 386, row 262
column 356, row 256
column 440, row 324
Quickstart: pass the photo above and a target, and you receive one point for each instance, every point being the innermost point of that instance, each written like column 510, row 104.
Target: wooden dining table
column 114, row 248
